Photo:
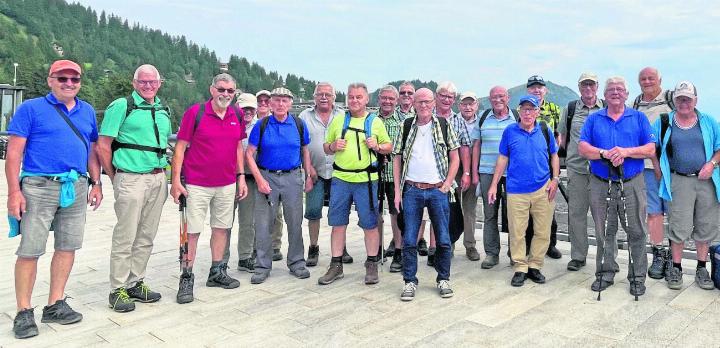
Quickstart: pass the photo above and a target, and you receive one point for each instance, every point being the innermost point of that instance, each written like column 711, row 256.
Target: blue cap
column 530, row 99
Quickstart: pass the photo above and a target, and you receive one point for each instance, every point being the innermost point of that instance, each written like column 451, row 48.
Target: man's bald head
column 424, row 102
column 423, row 94
column 650, row 82
column 499, row 99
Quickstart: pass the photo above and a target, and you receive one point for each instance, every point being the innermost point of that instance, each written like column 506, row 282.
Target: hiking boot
column 575, row 265
column 490, row 261
column 247, row 265
column 120, row 301
column 313, row 255
column 60, row 313
column 371, row 272
column 431, row 257
column 422, row 248
column 552, row 253
column 277, row 255
column 142, row 293
column 346, row 258
column 390, row 251
column 185, row 288
column 396, row 265
column 601, row 284
column 24, row 324
column 703, row 280
column 445, row 289
column 518, row 279
column 334, row 272
column 535, row 275
column 637, row 288
column 674, row 279
column 218, row 277
column 472, row 254
column 300, row 273
column 408, row 293
column 259, row 277
column 657, row 267
column 668, row 262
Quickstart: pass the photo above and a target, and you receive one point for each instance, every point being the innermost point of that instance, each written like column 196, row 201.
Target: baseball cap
column 247, row 100
column 588, row 76
column 64, row 64
column 263, row 92
column 469, row 94
column 530, row 99
column 535, row 79
column 281, row 92
column 685, row 89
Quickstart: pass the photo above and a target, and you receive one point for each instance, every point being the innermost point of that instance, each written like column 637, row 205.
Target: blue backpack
column 715, row 264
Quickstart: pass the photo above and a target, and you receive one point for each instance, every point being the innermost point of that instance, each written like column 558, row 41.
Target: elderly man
column 550, row 114
column 690, row 181
column 317, row 119
column 486, row 137
column 529, row 152
column 653, row 102
column 446, row 92
column 53, row 138
column 388, row 100
column 132, row 149
column 355, row 140
column 616, row 140
column 424, row 167
column 277, row 148
column 212, row 178
column 246, row 207
column 468, row 110
column 571, row 123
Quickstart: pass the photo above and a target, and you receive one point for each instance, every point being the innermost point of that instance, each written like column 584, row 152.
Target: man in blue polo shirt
column 529, row 152
column 54, row 137
column 280, row 153
column 616, row 140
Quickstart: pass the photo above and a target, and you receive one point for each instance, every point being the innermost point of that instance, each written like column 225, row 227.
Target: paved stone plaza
column 287, row 312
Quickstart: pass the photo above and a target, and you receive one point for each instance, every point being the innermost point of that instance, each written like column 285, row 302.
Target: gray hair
column 223, row 77
column 407, row 83
column 447, row 86
column 390, row 88
column 146, row 68
column 616, row 79
column 355, row 85
column 324, row 84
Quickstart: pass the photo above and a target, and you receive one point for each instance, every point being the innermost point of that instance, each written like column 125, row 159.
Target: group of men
column 416, row 154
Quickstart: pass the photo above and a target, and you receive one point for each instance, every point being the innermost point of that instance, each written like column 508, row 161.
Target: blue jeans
column 414, row 200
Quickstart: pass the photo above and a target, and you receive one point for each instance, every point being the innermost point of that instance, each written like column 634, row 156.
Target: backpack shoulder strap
column 568, row 123
column 444, row 128
column 130, row 105
column 483, row 117
column 636, row 103
column 546, row 134
column 664, row 125
column 346, row 124
column 669, row 98
column 263, row 125
column 603, row 102
column 368, row 124
column 198, row 116
column 407, row 124
column 516, row 115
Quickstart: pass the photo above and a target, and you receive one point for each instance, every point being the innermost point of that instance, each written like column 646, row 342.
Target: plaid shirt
column 460, row 127
column 404, row 115
column 442, row 160
column 393, row 125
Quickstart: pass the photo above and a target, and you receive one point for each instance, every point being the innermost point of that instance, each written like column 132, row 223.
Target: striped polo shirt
column 490, row 135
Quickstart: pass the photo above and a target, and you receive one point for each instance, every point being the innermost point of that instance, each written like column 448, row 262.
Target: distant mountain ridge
column 557, row 94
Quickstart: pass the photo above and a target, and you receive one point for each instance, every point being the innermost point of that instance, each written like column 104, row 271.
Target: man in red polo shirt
column 211, row 169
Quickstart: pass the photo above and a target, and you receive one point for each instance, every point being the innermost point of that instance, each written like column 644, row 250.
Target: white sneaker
column 444, row 288
column 408, row 293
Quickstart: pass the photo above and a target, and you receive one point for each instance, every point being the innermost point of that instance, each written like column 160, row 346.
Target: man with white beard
column 212, row 169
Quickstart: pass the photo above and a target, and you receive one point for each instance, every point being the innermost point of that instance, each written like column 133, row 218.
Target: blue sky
column 476, row 44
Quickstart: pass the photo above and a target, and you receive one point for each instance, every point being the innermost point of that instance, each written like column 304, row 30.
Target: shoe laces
column 409, row 287
column 444, row 285
column 186, row 283
column 25, row 316
column 144, row 289
column 122, row 295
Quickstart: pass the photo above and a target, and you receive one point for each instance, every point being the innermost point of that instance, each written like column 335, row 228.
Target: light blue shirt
column 490, row 135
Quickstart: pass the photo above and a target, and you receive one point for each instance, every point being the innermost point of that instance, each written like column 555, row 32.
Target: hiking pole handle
column 183, row 202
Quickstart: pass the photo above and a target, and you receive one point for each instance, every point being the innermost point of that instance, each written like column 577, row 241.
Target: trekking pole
column 381, row 199
column 183, row 235
column 598, row 275
column 623, row 221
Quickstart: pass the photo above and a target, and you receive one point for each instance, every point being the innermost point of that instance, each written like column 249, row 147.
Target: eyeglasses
column 64, row 79
column 408, row 93
column 446, row 96
column 424, row 102
column 618, row 90
column 223, row 90
column 152, row 83
column 324, row 95
column 387, row 98
column 526, row 110
column 263, row 101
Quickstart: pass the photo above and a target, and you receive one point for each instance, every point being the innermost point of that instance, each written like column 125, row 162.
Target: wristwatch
column 714, row 163
column 93, row 182
column 466, row 173
column 602, row 153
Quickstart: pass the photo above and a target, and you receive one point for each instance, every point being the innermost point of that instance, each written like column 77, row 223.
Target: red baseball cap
column 64, row 64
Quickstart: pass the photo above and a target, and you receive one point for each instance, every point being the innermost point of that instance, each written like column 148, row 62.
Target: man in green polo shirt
column 132, row 144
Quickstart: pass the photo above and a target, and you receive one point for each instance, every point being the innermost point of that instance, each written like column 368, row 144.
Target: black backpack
column 131, row 106
column 668, row 98
column 264, row 123
column 562, row 151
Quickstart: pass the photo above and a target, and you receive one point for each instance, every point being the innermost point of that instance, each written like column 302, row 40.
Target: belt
column 279, row 171
column 58, row 178
column 685, row 174
column 154, row 171
column 424, row 185
column 615, row 180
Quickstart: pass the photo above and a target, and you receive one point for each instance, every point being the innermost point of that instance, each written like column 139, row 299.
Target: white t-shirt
column 423, row 166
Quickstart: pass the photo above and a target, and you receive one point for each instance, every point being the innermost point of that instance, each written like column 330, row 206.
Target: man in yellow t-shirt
column 355, row 179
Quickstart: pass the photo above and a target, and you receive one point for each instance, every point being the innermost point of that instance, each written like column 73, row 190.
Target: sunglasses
column 406, row 93
column 223, row 90
column 64, row 79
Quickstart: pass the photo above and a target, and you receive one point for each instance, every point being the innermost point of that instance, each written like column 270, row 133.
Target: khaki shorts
column 221, row 201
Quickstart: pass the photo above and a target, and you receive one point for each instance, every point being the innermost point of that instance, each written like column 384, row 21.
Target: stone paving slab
column 286, row 312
